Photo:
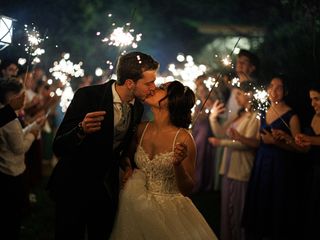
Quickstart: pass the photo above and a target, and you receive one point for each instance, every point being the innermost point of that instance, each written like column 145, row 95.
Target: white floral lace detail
column 160, row 177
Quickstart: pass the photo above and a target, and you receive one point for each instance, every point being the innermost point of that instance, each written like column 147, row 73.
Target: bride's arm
column 184, row 164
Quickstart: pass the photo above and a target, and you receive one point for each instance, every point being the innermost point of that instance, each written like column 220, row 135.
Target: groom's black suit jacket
column 87, row 167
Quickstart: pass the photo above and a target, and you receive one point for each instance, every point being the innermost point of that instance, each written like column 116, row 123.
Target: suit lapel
column 107, row 105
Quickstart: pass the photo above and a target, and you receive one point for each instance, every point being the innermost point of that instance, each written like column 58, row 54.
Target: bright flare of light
column 188, row 73
column 66, row 98
column 235, row 82
column 180, row 58
column 161, row 80
column 63, row 69
column 260, row 101
column 227, row 61
column 211, row 82
column 121, row 38
column 32, row 47
column 98, row 72
column 22, row 61
column 66, row 56
column 236, row 51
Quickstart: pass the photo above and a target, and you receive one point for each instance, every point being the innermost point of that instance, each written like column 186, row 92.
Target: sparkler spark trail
column 120, row 37
column 34, row 40
column 260, row 101
column 32, row 47
column 62, row 71
column 188, row 73
column 218, row 79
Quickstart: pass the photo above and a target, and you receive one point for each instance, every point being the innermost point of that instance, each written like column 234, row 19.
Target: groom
column 90, row 142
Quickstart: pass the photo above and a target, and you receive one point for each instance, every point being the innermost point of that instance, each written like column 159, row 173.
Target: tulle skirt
column 146, row 215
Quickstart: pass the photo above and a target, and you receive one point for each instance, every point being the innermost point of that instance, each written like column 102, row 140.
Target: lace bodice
column 159, row 171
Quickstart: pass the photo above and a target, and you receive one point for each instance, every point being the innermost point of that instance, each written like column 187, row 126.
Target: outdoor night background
column 284, row 34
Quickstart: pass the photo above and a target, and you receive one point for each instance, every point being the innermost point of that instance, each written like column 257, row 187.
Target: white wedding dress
column 151, row 206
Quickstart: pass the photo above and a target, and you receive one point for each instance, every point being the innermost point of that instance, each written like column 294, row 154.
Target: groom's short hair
column 133, row 64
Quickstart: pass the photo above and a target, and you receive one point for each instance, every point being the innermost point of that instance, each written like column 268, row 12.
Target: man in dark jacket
column 90, row 142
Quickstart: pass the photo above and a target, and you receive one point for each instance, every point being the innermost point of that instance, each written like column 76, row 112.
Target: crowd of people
column 266, row 174
column 116, row 176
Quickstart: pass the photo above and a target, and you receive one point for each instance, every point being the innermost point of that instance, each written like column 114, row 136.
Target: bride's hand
column 180, row 153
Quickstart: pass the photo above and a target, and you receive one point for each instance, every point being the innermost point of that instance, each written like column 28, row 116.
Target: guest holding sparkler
column 247, row 68
column 14, row 142
column 311, row 141
column 89, row 144
column 239, row 138
column 270, row 210
column 201, row 130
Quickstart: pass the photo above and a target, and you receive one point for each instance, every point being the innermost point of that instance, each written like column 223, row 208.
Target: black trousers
column 11, row 204
column 88, row 216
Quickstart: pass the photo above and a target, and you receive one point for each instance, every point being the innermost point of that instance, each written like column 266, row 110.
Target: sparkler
column 218, row 79
column 260, row 103
column 62, row 71
column 32, row 47
column 188, row 73
column 122, row 38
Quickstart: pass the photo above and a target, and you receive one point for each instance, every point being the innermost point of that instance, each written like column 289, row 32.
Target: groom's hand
column 92, row 122
column 126, row 175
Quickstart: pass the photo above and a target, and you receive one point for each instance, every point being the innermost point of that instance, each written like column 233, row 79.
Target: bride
column 154, row 203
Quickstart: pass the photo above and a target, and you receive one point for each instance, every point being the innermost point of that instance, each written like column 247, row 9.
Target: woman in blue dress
column 311, row 140
column 269, row 211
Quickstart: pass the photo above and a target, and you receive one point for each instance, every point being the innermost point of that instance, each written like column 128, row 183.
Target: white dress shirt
column 14, row 143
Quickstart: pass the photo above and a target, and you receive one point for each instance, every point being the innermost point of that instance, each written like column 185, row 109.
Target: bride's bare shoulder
column 141, row 127
column 185, row 136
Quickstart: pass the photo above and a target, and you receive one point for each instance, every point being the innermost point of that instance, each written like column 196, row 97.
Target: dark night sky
column 168, row 27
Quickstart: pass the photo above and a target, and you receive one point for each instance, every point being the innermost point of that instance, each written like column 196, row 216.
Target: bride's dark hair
column 181, row 99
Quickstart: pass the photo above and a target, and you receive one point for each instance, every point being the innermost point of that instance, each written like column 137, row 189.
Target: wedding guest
column 240, row 138
column 246, row 69
column 201, row 130
column 271, row 204
column 311, row 141
column 14, row 142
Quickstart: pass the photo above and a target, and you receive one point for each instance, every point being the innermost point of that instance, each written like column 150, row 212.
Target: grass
column 38, row 224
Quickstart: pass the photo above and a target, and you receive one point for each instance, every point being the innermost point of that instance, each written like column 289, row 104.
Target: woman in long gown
column 311, row 140
column 237, row 159
column 153, row 204
column 271, row 200
column 205, row 173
